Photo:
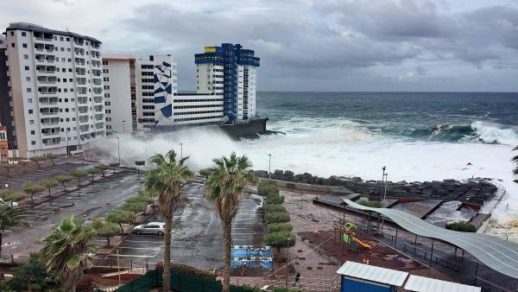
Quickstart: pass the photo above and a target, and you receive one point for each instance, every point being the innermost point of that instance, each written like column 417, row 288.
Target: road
column 16, row 181
column 197, row 233
column 92, row 201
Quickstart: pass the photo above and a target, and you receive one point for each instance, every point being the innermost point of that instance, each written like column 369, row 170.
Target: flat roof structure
column 373, row 273
column 498, row 254
column 423, row 284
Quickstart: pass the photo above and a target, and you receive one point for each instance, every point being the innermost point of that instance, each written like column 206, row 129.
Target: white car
column 11, row 204
column 154, row 228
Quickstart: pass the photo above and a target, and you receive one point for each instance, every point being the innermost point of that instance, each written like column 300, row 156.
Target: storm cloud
column 310, row 45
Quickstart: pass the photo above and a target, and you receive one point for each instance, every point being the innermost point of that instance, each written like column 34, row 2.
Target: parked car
column 12, row 204
column 156, row 228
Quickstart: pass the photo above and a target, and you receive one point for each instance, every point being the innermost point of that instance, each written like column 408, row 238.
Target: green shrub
column 275, row 208
column 372, row 204
column 461, row 226
column 275, row 199
column 185, row 270
column 277, row 217
column 281, row 239
column 276, row 227
column 266, row 188
column 135, row 206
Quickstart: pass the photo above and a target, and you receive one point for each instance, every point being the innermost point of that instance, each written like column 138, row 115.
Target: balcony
column 82, row 90
column 99, row 117
column 84, row 128
column 97, row 81
column 44, row 90
column 39, row 47
column 49, row 122
column 80, row 71
column 98, row 99
column 96, row 72
column 45, row 59
column 48, row 100
column 79, row 51
column 46, row 79
column 51, row 141
column 98, row 108
column 49, row 112
column 83, row 119
column 83, row 109
column 46, row 69
column 98, row 90
column 81, row 81
column 51, row 131
column 82, row 100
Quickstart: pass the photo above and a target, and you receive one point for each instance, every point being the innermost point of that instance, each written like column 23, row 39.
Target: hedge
column 275, row 208
column 281, row 239
column 266, row 188
column 276, row 227
column 277, row 217
column 372, row 204
column 461, row 226
column 274, row 199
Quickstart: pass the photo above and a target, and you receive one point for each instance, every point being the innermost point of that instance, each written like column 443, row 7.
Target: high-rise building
column 4, row 149
column 229, row 70
column 156, row 85
column 120, row 97
column 55, row 85
column 6, row 109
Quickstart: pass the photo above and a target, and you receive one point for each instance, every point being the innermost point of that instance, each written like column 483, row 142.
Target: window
column 24, row 45
column 12, row 33
column 26, row 57
column 30, row 112
column 12, row 45
column 29, row 89
column 33, row 142
column 32, row 132
column 27, row 68
column 61, row 38
column 62, row 49
column 31, row 122
column 27, row 78
column 29, row 100
column 68, row 39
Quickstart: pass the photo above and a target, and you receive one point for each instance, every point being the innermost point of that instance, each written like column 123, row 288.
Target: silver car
column 154, row 228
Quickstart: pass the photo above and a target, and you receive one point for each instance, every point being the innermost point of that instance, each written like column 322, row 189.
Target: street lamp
column 269, row 165
column 118, row 150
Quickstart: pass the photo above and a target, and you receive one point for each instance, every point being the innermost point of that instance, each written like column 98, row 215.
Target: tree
column 37, row 160
column 105, row 229
column 23, row 163
column 32, row 189
column 64, row 251
column 165, row 181
column 49, row 184
column 78, row 174
column 139, row 163
column 101, row 168
column 63, row 179
column 10, row 195
column 120, row 217
column 93, row 172
column 11, row 217
column 32, row 276
column 113, row 165
column 225, row 186
column 51, row 157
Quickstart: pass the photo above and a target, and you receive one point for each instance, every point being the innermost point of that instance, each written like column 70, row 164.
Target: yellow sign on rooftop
column 210, row 49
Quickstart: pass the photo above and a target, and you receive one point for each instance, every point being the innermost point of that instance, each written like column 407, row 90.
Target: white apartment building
column 156, row 85
column 120, row 96
column 197, row 108
column 55, row 83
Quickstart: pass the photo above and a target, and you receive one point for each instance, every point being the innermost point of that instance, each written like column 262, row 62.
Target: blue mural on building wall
column 163, row 90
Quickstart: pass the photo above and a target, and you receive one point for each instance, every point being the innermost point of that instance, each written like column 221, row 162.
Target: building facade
column 197, row 108
column 55, row 84
column 6, row 109
column 156, row 85
column 4, row 149
column 120, row 97
column 229, row 70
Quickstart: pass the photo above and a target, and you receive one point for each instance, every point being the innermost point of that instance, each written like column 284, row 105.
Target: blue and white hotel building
column 229, row 70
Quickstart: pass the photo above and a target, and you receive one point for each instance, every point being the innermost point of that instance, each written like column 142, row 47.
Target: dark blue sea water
column 423, row 115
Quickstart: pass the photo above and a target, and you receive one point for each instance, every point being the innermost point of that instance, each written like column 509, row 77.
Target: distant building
column 6, row 109
column 197, row 108
column 229, row 70
column 120, row 94
column 4, row 149
column 55, row 87
column 157, row 83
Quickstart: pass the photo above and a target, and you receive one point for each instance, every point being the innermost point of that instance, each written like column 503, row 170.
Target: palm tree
column 9, row 217
column 224, row 186
column 64, row 251
column 165, row 182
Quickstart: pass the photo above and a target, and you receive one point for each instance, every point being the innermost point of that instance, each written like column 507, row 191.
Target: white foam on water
column 328, row 147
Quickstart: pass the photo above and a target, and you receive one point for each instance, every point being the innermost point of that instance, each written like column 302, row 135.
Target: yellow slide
column 362, row 244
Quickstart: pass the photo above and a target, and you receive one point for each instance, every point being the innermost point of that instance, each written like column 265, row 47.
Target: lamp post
column 384, row 180
column 269, row 165
column 181, row 150
column 118, row 150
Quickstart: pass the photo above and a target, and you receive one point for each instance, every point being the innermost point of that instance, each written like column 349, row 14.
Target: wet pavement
column 197, row 233
column 91, row 201
column 16, row 181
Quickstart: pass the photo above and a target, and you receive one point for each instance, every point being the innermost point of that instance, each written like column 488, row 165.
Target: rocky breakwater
column 474, row 192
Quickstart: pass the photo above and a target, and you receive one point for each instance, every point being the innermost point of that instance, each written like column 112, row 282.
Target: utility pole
column 269, row 165
column 118, row 150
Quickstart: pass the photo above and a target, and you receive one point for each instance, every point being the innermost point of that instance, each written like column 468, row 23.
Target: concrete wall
column 250, row 129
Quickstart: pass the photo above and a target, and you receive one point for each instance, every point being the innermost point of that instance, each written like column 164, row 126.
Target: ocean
column 417, row 136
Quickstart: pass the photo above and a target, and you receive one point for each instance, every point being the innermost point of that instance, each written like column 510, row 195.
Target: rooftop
column 422, row 284
column 373, row 273
column 37, row 28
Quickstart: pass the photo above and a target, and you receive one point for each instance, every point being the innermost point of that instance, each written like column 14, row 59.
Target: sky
column 309, row 45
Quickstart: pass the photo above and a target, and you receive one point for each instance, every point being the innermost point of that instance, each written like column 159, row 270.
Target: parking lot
column 87, row 203
column 197, row 234
column 16, row 181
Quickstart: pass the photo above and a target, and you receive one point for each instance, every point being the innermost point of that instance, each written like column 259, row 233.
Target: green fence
column 180, row 282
